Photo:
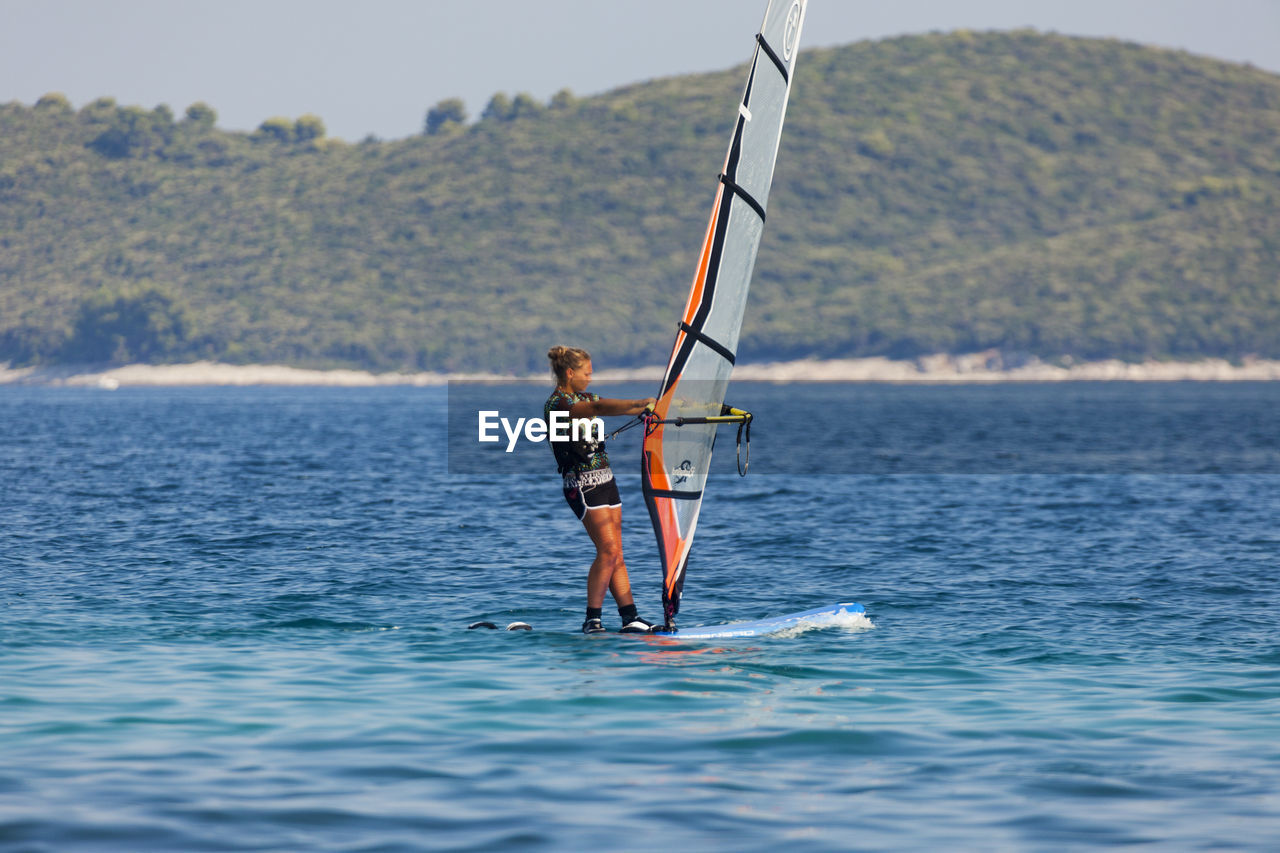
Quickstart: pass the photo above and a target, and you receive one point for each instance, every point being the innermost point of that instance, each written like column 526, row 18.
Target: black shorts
column 591, row 490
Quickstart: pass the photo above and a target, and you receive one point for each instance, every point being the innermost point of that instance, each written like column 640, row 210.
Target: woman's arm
column 606, row 406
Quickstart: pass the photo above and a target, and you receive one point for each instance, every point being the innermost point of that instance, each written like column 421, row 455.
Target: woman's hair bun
column 564, row 359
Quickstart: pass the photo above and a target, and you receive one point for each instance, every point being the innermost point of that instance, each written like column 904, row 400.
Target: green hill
column 1039, row 194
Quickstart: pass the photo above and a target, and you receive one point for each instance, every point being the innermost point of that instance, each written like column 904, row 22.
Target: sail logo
column 682, row 472
column 558, row 427
column 792, row 32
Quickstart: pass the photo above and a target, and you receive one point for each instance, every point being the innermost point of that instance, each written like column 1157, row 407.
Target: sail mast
column 675, row 459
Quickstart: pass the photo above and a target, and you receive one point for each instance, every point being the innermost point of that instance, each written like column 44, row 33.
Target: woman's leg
column 608, row 571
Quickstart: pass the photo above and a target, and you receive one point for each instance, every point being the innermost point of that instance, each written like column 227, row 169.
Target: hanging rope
column 744, row 426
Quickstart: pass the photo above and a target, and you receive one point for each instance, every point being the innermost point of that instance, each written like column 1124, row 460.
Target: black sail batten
column 697, row 335
column 743, row 194
column 675, row 494
column 680, row 436
column 777, row 60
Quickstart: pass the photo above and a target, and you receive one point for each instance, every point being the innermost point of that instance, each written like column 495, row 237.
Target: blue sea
column 236, row 620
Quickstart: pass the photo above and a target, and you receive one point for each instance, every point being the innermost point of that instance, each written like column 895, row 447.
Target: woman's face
column 579, row 377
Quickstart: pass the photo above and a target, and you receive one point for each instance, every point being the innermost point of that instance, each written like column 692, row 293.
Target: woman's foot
column 637, row 626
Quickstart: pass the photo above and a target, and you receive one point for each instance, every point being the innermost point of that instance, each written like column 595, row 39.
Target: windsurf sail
column 681, row 432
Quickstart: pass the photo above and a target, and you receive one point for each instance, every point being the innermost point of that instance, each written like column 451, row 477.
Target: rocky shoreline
column 976, row 367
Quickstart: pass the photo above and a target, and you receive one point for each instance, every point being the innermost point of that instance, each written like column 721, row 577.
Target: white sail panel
column 677, row 455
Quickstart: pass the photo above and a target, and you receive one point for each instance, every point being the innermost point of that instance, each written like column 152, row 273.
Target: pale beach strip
column 975, row 367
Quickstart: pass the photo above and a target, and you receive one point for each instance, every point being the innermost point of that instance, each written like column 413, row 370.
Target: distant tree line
column 1058, row 197
column 452, row 112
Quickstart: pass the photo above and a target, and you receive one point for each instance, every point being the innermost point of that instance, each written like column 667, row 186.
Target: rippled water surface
column 236, row 620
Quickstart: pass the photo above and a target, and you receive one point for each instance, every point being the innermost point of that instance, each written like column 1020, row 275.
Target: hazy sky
column 376, row 66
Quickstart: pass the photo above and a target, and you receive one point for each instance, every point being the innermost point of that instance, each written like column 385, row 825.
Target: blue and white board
column 846, row 614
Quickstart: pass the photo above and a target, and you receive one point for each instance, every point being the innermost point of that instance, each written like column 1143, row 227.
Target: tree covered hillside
column 1044, row 195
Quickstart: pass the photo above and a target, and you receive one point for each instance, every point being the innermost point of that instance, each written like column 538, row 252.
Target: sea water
column 235, row 619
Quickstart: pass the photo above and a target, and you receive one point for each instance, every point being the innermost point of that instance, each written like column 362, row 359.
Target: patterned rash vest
column 574, row 457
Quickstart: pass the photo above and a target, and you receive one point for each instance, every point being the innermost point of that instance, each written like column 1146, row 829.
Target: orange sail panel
column 676, row 458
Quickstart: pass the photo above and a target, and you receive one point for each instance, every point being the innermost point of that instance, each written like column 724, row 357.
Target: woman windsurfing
column 590, row 488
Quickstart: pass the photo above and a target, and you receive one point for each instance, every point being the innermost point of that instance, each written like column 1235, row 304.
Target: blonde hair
column 564, row 359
